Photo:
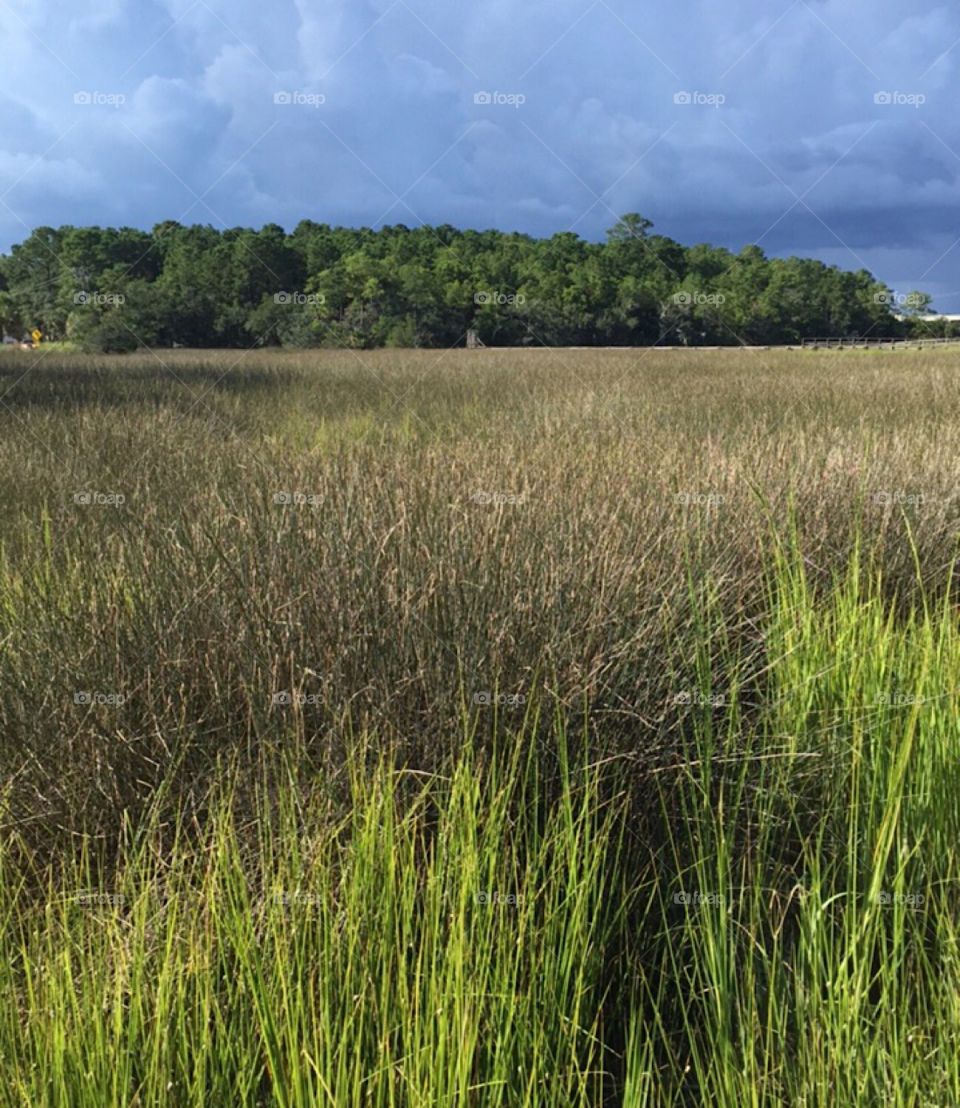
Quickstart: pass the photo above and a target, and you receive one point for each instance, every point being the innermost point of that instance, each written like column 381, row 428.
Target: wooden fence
column 873, row 344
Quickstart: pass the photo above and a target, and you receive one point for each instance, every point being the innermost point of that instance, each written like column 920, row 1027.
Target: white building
column 935, row 318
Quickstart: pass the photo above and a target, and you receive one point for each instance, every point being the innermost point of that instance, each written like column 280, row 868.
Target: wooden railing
column 871, row 344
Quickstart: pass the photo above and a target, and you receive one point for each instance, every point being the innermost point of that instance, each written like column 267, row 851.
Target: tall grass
column 502, row 730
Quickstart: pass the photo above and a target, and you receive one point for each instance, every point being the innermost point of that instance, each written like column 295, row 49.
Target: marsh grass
column 520, row 728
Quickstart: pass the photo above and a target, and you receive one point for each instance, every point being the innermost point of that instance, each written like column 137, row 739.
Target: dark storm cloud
column 824, row 129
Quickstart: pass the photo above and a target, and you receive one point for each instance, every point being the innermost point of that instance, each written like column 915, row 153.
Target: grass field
column 492, row 728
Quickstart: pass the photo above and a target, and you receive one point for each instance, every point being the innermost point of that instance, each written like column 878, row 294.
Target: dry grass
column 663, row 557
column 472, row 522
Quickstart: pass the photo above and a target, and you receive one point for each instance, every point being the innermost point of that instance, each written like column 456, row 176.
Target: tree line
column 114, row 289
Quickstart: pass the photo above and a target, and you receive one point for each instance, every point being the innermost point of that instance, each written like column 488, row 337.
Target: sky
column 823, row 128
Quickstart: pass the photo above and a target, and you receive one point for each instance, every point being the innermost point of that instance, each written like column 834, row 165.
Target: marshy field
column 545, row 727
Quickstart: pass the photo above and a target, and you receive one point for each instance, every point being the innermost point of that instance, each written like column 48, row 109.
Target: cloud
column 781, row 104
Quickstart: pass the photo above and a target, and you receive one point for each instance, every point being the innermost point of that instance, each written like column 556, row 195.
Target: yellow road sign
column 36, row 334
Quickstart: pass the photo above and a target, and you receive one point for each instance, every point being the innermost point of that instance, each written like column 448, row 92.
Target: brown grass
column 538, row 524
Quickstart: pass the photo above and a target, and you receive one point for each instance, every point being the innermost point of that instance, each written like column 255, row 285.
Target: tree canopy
column 116, row 289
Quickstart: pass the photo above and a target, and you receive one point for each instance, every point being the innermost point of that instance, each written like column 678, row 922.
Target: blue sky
column 825, row 129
